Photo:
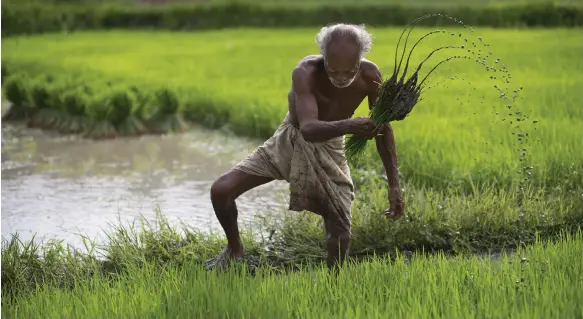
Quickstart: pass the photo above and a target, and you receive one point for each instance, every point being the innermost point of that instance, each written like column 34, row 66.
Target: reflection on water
column 61, row 186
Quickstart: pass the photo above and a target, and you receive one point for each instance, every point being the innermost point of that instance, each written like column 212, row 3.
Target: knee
column 344, row 237
column 221, row 190
column 337, row 230
column 341, row 237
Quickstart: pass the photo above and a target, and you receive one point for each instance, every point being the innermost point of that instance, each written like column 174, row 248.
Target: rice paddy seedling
column 17, row 89
column 75, row 103
column 99, row 118
column 123, row 109
column 166, row 117
column 397, row 96
column 40, row 96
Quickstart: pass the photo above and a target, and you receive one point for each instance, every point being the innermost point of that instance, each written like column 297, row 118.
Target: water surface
column 60, row 186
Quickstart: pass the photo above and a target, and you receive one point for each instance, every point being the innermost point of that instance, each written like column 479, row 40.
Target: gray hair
column 358, row 32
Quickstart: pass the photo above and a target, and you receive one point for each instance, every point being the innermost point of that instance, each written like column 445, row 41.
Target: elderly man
column 307, row 150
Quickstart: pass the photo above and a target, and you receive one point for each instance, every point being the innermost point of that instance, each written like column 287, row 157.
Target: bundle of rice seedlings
column 119, row 107
column 49, row 94
column 46, row 104
column 166, row 117
column 74, row 104
column 397, row 96
column 99, row 124
column 142, row 104
column 53, row 114
column 17, row 91
column 126, row 118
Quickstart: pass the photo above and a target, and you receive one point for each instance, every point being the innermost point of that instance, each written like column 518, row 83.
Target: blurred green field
column 460, row 130
column 419, row 3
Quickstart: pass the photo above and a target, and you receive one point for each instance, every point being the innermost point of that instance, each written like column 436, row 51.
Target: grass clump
column 538, row 281
column 95, row 110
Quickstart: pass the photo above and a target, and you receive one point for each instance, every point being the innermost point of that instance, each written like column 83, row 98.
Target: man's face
column 342, row 63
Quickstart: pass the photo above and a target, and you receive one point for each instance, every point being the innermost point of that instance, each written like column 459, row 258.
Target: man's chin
column 341, row 86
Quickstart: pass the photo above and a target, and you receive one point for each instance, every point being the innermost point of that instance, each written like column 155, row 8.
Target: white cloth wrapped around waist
column 318, row 172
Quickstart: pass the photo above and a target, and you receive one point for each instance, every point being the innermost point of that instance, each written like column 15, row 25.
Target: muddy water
column 61, row 186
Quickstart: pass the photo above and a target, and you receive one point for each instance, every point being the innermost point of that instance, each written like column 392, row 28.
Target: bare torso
column 334, row 103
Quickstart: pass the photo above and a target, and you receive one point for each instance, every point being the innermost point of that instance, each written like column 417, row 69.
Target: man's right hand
column 364, row 127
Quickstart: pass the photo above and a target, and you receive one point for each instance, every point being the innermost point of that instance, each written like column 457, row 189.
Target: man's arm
column 387, row 150
column 311, row 128
column 385, row 142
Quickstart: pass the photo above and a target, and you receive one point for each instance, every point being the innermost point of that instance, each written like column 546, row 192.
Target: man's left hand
column 397, row 205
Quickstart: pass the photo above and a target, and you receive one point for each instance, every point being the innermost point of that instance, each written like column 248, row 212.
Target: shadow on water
column 60, row 186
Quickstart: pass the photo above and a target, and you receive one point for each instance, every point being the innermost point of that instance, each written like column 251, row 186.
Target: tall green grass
column 541, row 281
column 240, row 79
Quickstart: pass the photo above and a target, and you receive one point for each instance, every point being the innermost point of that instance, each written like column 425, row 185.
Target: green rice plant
column 55, row 104
column 166, row 115
column 143, row 103
column 130, row 107
column 54, row 113
column 40, row 95
column 398, row 96
column 17, row 90
column 75, row 103
column 119, row 106
column 98, row 113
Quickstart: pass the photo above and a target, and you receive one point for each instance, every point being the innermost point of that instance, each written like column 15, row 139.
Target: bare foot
column 392, row 215
column 223, row 259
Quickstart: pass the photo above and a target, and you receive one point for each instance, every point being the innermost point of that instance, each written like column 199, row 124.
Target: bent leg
column 224, row 191
column 337, row 242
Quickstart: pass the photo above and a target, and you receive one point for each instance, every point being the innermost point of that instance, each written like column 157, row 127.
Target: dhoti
column 317, row 172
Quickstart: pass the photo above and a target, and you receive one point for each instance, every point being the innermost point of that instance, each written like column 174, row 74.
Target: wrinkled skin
column 325, row 93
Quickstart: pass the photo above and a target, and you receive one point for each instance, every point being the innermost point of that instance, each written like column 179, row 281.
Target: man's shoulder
column 308, row 63
column 370, row 71
column 306, row 68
